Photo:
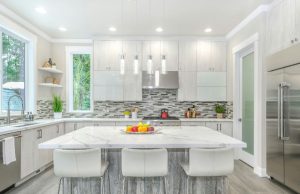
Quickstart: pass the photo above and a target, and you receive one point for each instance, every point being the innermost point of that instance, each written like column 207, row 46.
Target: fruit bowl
column 141, row 128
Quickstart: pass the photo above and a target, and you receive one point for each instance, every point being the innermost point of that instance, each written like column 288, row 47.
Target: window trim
column 70, row 50
column 30, row 64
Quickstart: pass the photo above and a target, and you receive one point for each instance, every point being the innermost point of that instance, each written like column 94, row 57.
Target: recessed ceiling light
column 112, row 29
column 41, row 10
column 208, row 30
column 63, row 29
column 159, row 29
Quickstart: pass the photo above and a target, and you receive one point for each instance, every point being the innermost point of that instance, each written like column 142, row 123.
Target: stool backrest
column 211, row 162
column 144, row 162
column 77, row 163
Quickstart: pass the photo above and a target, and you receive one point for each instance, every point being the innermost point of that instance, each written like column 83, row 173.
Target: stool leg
column 59, row 185
column 165, row 185
column 123, row 186
column 187, row 185
column 101, row 185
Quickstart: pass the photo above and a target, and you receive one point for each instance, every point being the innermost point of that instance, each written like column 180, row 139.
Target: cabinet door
column 133, row 87
column 297, row 21
column 275, row 28
column 226, row 128
column 28, row 147
column 170, row 50
column 107, row 55
column 188, row 55
column 211, row 93
column 212, row 125
column 204, row 56
column 288, row 23
column 152, row 48
column 131, row 49
column 192, row 123
column 108, row 93
column 218, row 56
column 69, row 127
column 187, row 86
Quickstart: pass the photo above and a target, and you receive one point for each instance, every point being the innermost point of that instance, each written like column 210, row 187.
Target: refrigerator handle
column 279, row 112
column 283, row 126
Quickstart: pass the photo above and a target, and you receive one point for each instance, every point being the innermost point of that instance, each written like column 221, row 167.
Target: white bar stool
column 79, row 164
column 208, row 163
column 144, row 163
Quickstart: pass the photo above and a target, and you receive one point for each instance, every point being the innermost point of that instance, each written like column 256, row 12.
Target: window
column 79, row 60
column 13, row 62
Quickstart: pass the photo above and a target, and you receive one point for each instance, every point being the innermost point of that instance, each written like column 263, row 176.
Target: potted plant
column 220, row 110
column 126, row 114
column 57, row 106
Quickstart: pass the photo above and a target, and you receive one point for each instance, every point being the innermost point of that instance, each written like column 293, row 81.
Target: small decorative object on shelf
column 48, row 64
column 54, row 66
column 57, row 106
column 220, row 110
column 126, row 114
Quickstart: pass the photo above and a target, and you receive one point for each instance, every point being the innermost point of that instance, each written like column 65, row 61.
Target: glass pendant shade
column 136, row 65
column 150, row 65
column 122, row 64
column 163, row 65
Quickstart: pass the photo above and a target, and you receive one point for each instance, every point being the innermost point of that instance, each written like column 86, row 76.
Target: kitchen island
column 176, row 139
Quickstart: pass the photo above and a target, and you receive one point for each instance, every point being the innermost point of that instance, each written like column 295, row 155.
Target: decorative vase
column 126, row 116
column 220, row 115
column 57, row 115
column 134, row 115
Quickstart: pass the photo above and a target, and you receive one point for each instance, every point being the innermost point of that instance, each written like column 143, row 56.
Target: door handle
column 279, row 112
column 282, row 126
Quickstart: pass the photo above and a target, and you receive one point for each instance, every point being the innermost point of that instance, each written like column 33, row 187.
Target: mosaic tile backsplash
column 153, row 101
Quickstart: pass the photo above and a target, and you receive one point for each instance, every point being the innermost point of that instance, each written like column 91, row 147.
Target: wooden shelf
column 50, row 85
column 51, row 70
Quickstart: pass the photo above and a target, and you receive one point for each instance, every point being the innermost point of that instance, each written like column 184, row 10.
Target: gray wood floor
column 242, row 181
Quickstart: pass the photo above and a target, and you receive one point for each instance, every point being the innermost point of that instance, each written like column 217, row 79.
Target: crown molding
column 259, row 10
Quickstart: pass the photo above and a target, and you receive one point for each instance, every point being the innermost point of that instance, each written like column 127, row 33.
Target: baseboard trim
column 261, row 172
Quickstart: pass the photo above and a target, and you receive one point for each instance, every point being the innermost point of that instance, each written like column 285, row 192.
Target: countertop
column 6, row 129
column 166, row 137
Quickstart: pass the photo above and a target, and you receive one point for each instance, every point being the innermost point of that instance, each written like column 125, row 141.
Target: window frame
column 70, row 51
column 29, row 81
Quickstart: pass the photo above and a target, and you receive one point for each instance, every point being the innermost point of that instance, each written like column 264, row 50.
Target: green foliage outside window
column 81, row 82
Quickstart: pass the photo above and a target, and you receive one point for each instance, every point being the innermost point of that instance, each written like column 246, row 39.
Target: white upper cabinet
column 157, row 49
column 133, row 87
column 188, row 55
column 283, row 25
column 187, row 86
column 107, row 55
column 170, row 50
column 211, row 56
column 131, row 49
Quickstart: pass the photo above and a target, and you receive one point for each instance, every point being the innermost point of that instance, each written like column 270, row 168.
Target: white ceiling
column 90, row 18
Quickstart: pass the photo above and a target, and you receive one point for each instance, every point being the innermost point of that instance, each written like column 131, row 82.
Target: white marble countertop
column 166, row 137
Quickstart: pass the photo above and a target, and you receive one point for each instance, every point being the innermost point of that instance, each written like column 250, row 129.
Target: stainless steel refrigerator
column 283, row 125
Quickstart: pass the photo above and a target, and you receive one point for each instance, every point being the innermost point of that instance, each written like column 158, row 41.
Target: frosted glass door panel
column 248, row 102
column 211, row 93
column 211, row 79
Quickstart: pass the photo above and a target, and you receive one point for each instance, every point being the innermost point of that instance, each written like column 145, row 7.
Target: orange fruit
column 129, row 128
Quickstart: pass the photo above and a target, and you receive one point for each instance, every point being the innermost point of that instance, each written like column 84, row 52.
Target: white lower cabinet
column 192, row 123
column 33, row 158
column 223, row 127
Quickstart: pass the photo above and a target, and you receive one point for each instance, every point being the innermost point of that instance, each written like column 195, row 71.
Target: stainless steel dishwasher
column 10, row 174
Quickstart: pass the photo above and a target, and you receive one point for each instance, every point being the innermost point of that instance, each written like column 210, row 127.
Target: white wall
column 257, row 25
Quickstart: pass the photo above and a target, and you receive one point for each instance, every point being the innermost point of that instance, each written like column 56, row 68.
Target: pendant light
column 150, row 62
column 136, row 58
column 163, row 56
column 122, row 58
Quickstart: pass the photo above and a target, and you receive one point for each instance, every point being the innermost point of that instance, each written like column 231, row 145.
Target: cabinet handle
column 220, row 127
column 41, row 133
column 38, row 134
column 57, row 126
column 75, row 126
column 296, row 39
column 292, row 41
column 217, row 126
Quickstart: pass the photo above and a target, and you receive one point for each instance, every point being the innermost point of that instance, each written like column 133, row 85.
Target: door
column 291, row 131
column 247, row 105
column 275, row 161
column 188, row 55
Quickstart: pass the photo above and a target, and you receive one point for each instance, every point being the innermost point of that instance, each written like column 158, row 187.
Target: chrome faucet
column 8, row 107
